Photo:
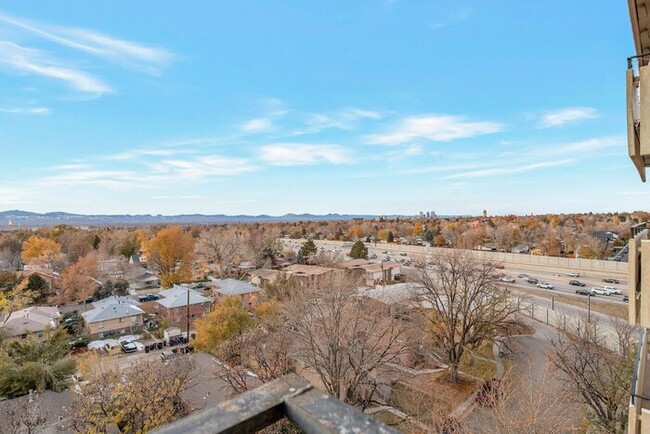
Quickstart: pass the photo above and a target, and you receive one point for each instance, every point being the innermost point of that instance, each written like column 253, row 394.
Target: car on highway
column 626, row 298
column 508, row 279
column 531, row 280
column 613, row 290
column 544, row 285
column 601, row 290
column 576, row 283
column 573, row 274
column 611, row 280
column 499, row 266
column 523, row 275
column 586, row 292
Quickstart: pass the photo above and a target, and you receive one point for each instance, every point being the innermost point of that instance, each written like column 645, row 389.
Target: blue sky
column 370, row 107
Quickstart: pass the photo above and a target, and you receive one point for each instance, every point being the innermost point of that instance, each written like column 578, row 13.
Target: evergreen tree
column 359, row 251
column 308, row 249
column 391, row 237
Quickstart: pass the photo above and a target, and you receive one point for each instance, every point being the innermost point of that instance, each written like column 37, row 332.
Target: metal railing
column 292, row 397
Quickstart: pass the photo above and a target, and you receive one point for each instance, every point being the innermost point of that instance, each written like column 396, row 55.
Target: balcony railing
column 639, row 279
column 292, row 397
column 638, row 115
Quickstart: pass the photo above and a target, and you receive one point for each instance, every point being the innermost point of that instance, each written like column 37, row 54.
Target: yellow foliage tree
column 355, row 231
column 40, row 250
column 78, row 280
column 171, row 251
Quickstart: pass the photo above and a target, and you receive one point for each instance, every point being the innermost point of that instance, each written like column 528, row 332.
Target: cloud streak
column 35, row 62
column 510, row 169
column 27, row 111
column 146, row 58
column 436, row 128
column 561, row 117
column 300, row 154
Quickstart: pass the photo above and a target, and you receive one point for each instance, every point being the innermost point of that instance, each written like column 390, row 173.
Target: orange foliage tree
column 40, row 250
column 171, row 251
column 77, row 280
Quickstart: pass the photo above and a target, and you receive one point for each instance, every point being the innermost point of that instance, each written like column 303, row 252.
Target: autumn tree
column 355, row 231
column 223, row 248
column 79, row 280
column 359, row 251
column 390, row 237
column 40, row 250
column 10, row 249
column 171, row 251
column 140, row 399
column 24, row 415
column 463, row 305
column 343, row 338
column 600, row 377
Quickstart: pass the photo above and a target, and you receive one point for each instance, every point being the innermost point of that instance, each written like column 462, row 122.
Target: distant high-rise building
column 433, row 215
column 485, row 213
column 10, row 224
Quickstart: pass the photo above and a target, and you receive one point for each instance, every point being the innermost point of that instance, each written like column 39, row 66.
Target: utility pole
column 589, row 309
column 188, row 314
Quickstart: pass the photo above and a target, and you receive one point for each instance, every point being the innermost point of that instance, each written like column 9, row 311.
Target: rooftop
column 177, row 297
column 117, row 307
column 231, row 287
column 31, row 319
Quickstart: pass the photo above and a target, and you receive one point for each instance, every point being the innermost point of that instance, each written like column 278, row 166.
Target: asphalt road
column 556, row 276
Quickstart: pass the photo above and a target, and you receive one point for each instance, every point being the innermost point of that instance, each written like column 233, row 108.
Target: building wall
column 177, row 316
column 116, row 327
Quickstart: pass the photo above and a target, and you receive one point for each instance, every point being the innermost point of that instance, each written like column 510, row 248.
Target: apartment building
column 638, row 134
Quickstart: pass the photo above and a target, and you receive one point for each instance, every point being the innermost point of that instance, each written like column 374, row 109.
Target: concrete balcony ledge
column 292, row 397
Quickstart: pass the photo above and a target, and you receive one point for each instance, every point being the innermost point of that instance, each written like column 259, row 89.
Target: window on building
column 100, row 324
column 121, row 319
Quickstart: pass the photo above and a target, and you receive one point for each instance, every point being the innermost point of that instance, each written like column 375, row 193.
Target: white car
column 508, row 279
column 600, row 290
column 613, row 290
column 573, row 274
column 544, row 285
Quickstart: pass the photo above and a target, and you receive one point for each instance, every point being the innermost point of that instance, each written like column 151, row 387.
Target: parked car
column 573, row 274
column 613, row 290
column 531, row 280
column 148, row 297
column 611, row 280
column 544, row 285
column 128, row 347
column 586, row 292
column 576, row 283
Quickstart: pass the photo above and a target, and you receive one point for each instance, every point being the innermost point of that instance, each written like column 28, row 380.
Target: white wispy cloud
column 204, row 167
column 560, row 117
column 296, row 154
column 344, row 119
column 146, row 58
column 257, row 125
column 136, row 153
column 32, row 61
column 26, row 110
column 438, row 128
column 584, row 147
column 510, row 169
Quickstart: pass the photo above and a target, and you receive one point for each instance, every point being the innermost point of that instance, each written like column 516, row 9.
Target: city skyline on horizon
column 369, row 109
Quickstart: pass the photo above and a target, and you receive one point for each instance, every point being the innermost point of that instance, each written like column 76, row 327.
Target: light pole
column 188, row 314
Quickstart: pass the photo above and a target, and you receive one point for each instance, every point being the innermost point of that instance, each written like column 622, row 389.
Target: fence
column 566, row 317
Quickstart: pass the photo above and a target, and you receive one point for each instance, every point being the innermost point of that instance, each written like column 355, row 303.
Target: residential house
column 35, row 320
column 51, row 278
column 309, row 273
column 264, row 276
column 144, row 279
column 174, row 306
column 236, row 288
column 114, row 315
column 374, row 273
column 112, row 268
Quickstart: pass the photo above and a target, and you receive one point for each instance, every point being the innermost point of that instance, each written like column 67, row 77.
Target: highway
column 557, row 277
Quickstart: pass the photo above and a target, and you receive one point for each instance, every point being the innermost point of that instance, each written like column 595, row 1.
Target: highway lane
column 559, row 278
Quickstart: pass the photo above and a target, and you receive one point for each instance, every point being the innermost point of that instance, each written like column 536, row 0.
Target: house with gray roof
column 174, row 305
column 114, row 316
column 236, row 288
column 37, row 321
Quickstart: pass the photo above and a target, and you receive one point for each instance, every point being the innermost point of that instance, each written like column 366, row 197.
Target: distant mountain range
column 31, row 219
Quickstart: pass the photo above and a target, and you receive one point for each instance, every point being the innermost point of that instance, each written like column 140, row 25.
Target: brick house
column 114, row 316
column 236, row 288
column 173, row 306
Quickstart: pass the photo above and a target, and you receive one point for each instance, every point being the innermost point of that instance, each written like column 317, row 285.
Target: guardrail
column 292, row 397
